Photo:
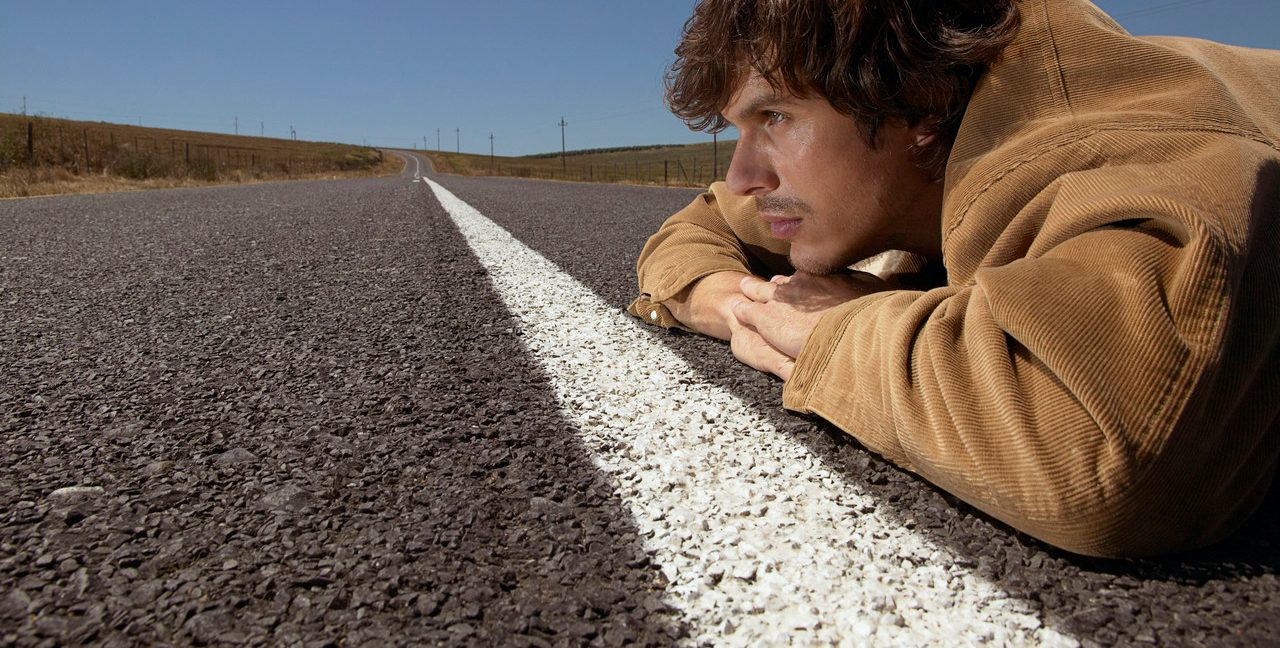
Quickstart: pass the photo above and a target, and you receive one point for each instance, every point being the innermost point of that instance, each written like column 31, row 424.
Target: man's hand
column 776, row 317
column 751, row 349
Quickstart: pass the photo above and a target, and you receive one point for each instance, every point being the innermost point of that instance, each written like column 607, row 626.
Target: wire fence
column 679, row 172
column 139, row 153
column 657, row 167
column 114, row 150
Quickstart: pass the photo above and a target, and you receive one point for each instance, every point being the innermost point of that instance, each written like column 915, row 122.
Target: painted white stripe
column 762, row 544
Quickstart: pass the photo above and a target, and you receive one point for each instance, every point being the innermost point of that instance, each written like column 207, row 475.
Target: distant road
column 410, row 410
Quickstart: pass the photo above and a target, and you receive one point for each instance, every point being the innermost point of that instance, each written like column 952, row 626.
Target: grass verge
column 690, row 165
column 43, row 156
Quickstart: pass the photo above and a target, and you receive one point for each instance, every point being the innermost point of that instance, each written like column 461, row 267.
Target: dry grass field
column 44, row 156
column 41, row 156
column 691, row 165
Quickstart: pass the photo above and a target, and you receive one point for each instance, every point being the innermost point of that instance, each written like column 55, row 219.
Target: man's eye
column 773, row 117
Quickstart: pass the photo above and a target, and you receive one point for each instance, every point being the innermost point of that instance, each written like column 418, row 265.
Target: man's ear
column 924, row 139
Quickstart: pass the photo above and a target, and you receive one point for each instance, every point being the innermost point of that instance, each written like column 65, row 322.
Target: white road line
column 761, row 543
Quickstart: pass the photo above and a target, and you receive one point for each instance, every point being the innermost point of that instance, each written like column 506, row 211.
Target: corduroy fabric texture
column 1102, row 369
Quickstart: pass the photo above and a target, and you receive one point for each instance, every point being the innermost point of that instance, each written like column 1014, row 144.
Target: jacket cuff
column 800, row 390
column 655, row 313
column 674, row 280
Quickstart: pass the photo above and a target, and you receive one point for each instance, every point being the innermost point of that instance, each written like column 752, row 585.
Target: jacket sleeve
column 717, row 232
column 1083, row 393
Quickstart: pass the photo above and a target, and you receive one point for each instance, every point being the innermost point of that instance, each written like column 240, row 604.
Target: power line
column 562, row 124
column 59, row 108
column 715, row 156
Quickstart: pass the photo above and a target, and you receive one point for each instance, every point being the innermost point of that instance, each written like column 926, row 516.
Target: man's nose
column 751, row 170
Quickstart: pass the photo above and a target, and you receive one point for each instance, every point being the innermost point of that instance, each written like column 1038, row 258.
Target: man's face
column 820, row 186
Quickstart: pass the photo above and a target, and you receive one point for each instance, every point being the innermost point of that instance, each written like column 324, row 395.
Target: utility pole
column 491, row 152
column 24, row 105
column 237, row 124
column 293, row 134
column 458, row 133
column 424, row 142
column 262, row 129
column 438, row 141
column 562, row 124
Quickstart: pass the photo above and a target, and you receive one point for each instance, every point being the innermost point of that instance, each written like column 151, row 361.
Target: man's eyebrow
column 771, row 100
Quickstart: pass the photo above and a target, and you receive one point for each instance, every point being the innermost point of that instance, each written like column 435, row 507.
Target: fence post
column 87, row 167
column 31, row 144
column 188, row 145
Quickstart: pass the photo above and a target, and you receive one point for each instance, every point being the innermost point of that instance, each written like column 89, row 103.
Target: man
column 1094, row 356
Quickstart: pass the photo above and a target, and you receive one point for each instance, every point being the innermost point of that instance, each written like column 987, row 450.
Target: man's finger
column 756, row 316
column 778, row 324
column 757, row 289
column 744, row 311
column 752, row 350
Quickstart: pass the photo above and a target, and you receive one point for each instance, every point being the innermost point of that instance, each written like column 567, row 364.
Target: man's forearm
column 705, row 306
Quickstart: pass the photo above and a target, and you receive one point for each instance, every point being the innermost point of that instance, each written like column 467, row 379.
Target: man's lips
column 781, row 227
column 780, row 212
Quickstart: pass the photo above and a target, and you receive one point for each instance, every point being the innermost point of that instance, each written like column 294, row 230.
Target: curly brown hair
column 909, row 61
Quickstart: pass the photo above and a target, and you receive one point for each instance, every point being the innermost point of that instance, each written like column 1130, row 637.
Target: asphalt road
column 316, row 412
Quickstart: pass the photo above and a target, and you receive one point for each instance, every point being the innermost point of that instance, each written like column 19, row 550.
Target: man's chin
column 805, row 261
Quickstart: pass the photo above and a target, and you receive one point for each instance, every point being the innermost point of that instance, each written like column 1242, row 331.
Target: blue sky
column 391, row 72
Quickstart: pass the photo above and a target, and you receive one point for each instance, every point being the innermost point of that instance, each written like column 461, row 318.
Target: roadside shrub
column 202, row 169
column 138, row 166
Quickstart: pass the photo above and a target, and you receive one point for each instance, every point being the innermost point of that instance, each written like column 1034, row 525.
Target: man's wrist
column 705, row 305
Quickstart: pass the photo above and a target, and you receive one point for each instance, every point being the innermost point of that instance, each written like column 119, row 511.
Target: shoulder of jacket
column 1037, row 112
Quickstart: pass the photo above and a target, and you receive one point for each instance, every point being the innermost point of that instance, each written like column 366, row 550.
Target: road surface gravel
column 297, row 414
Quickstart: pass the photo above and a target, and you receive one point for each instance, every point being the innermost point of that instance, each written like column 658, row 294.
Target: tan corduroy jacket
column 1102, row 369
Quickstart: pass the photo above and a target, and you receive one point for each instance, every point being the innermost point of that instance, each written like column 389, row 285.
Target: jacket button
column 653, row 314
